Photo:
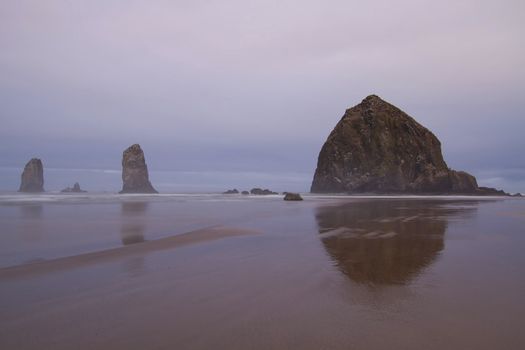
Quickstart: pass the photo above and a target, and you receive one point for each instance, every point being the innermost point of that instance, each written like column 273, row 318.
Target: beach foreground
column 232, row 272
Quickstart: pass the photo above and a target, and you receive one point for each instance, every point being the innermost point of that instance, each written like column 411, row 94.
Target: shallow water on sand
column 261, row 273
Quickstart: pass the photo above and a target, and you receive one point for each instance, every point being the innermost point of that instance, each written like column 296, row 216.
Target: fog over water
column 238, row 89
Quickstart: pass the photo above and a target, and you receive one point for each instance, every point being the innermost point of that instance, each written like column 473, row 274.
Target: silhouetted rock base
column 292, row 197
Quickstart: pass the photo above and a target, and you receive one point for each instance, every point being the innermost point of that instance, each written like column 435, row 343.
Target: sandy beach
column 325, row 273
column 125, row 252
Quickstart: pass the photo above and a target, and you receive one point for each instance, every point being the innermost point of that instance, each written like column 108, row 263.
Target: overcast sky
column 256, row 85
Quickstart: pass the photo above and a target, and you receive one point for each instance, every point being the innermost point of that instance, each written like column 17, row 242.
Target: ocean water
column 110, row 180
column 171, row 181
column 330, row 272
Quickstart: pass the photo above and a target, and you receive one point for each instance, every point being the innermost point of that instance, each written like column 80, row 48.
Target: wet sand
column 146, row 247
column 322, row 274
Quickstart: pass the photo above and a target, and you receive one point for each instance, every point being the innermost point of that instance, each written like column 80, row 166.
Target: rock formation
column 245, row 192
column 75, row 189
column 135, row 176
column 32, row 179
column 378, row 148
column 260, row 191
column 289, row 196
column 234, row 191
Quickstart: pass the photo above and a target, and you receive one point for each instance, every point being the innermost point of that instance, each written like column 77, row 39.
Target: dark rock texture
column 234, row 191
column 487, row 191
column 245, row 192
column 292, row 197
column 260, row 191
column 378, row 148
column 135, row 176
column 75, row 189
column 32, row 179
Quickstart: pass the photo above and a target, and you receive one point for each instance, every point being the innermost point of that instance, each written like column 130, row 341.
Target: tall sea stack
column 135, row 178
column 32, row 179
column 378, row 148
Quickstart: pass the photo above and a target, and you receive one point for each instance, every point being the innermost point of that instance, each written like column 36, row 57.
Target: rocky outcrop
column 245, row 193
column 234, row 191
column 75, row 189
column 488, row 191
column 378, row 148
column 260, row 191
column 135, row 177
column 292, row 197
column 32, row 179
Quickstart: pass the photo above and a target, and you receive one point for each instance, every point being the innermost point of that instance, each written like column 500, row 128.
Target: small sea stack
column 289, row 196
column 32, row 179
column 260, row 192
column 75, row 189
column 135, row 177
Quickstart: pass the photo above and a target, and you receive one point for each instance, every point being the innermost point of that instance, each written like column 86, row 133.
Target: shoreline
column 93, row 194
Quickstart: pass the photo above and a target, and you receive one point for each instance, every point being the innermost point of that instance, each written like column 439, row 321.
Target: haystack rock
column 32, row 177
column 135, row 176
column 378, row 148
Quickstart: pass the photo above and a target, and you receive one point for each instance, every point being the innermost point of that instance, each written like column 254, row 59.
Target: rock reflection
column 31, row 222
column 132, row 229
column 33, row 211
column 387, row 241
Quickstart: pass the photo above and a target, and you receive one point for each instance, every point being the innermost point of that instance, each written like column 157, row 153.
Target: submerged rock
column 234, row 191
column 289, row 196
column 260, row 191
column 378, row 148
column 32, row 179
column 74, row 189
column 135, row 177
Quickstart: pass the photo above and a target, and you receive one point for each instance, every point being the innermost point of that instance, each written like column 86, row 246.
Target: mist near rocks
column 255, row 86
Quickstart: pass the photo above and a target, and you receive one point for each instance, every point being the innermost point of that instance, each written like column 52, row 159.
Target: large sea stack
column 32, row 179
column 378, row 148
column 135, row 178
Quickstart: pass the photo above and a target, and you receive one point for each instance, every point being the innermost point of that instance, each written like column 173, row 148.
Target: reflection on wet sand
column 387, row 241
column 30, row 223
column 131, row 232
column 132, row 229
column 33, row 211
